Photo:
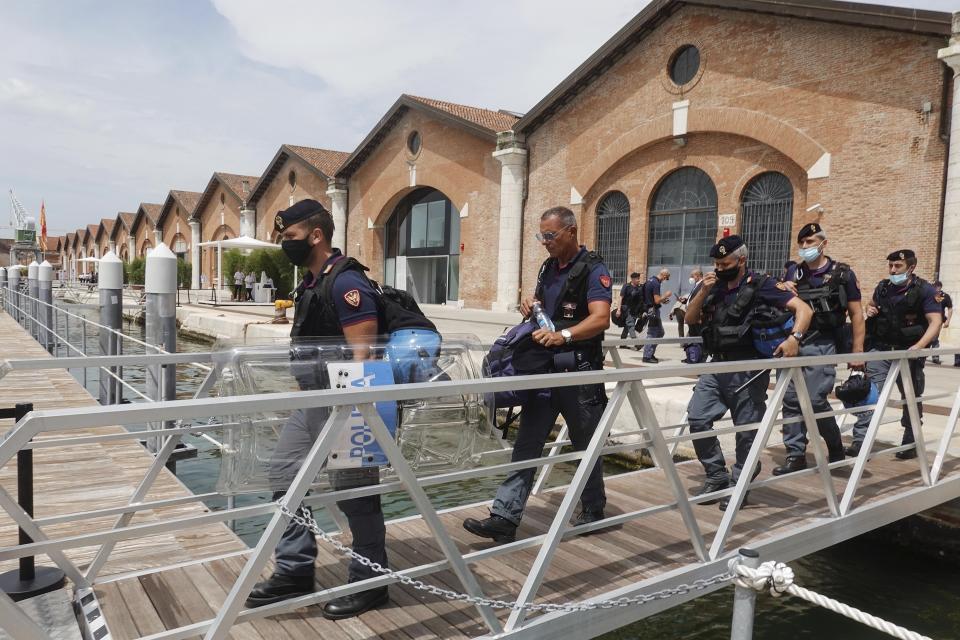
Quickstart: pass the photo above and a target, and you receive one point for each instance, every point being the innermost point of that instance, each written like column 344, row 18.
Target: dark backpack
column 515, row 354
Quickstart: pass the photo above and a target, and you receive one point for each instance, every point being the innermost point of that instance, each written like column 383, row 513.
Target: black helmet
column 854, row 390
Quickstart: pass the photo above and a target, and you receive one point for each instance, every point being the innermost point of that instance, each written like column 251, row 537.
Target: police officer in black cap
column 903, row 313
column 731, row 296
column 831, row 290
column 335, row 299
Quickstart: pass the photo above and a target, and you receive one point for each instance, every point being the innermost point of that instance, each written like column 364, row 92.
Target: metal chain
column 304, row 517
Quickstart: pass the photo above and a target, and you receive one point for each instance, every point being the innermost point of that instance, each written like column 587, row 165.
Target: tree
column 133, row 271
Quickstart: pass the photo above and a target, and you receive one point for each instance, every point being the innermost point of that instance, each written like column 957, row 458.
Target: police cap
column 809, row 229
column 901, row 254
column 726, row 246
column 297, row 213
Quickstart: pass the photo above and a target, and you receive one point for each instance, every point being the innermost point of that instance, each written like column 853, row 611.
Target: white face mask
column 691, row 281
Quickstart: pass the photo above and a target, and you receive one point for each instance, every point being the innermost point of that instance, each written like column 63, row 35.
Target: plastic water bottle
column 542, row 318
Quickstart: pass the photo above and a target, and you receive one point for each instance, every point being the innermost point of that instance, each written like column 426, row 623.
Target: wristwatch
column 567, row 336
column 799, row 336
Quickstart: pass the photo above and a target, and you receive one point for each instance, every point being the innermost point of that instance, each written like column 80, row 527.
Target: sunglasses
column 550, row 236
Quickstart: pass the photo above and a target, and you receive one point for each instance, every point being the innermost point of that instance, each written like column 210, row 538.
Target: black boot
column 792, row 464
column 908, row 454
column 500, row 529
column 725, row 500
column 853, row 450
column 588, row 516
column 279, row 587
column 355, row 604
column 836, row 454
column 713, row 485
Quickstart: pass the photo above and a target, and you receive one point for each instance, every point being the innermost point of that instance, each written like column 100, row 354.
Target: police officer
column 946, row 304
column 693, row 351
column 574, row 289
column 728, row 299
column 903, row 313
column 653, row 301
column 831, row 290
column 631, row 303
column 335, row 299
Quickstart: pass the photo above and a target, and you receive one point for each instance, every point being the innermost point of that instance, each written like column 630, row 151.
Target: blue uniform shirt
column 815, row 278
column 928, row 296
column 598, row 283
column 353, row 297
column 650, row 288
column 769, row 293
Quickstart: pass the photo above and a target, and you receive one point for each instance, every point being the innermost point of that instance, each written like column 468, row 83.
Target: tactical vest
column 571, row 306
column 315, row 314
column 898, row 324
column 727, row 329
column 829, row 300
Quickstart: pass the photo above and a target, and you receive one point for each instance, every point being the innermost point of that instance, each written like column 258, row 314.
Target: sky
column 106, row 104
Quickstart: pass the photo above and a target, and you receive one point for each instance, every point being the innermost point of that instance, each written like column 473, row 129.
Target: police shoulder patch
column 352, row 298
column 605, row 281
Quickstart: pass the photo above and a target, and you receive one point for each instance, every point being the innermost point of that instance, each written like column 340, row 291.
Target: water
column 868, row 573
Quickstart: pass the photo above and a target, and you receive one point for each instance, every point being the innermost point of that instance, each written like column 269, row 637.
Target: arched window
column 422, row 247
column 683, row 224
column 179, row 244
column 613, row 233
column 766, row 218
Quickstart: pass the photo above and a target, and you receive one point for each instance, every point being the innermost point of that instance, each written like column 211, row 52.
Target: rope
column 778, row 578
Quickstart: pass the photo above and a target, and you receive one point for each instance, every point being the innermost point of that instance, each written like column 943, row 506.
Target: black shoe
column 638, row 348
column 853, row 450
column 935, row 360
column 625, row 346
column 908, row 454
column 713, row 485
column 651, row 360
column 685, row 361
column 836, row 455
column 279, row 587
column 355, row 604
column 792, row 464
column 587, row 517
column 725, row 501
column 500, row 529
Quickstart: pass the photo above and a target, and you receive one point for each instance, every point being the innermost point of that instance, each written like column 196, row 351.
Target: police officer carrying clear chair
column 831, row 290
column 574, row 289
column 903, row 313
column 729, row 303
column 337, row 300
column 631, row 306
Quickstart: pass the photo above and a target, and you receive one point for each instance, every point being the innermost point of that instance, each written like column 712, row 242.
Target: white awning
column 243, row 242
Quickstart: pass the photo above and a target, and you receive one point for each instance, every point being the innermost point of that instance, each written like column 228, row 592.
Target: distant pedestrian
column 652, row 301
column 946, row 303
column 694, row 351
column 250, row 280
column 631, row 304
column 238, row 285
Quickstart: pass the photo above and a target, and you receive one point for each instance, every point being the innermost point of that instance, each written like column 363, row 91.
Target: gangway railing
column 630, row 390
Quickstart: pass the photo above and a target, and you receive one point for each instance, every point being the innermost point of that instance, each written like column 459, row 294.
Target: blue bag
column 515, row 354
column 769, row 330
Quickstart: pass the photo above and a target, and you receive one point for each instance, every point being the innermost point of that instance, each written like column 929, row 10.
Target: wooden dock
column 72, row 479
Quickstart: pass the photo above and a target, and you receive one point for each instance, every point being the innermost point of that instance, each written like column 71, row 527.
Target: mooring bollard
column 4, row 297
column 29, row 580
column 33, row 290
column 45, row 306
column 744, row 601
column 110, row 285
column 160, row 285
column 13, row 280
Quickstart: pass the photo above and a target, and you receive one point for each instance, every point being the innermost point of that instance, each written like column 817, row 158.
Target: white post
column 513, row 174
column 33, row 290
column 45, row 306
column 131, row 248
column 338, row 204
column 950, row 236
column 13, row 281
column 157, row 235
column 194, row 254
column 248, row 221
column 160, row 285
column 110, row 285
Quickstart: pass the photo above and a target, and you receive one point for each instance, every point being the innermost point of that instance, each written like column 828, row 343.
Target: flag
column 43, row 227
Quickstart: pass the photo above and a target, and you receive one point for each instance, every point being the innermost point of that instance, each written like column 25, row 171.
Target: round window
column 413, row 142
column 684, row 64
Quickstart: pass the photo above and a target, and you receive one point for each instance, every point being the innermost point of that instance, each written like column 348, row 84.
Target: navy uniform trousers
column 819, row 385
column 877, row 372
column 581, row 408
column 714, row 395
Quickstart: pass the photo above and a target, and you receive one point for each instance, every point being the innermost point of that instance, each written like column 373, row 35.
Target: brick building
column 173, row 221
column 103, row 238
column 121, row 236
column 143, row 229
column 217, row 217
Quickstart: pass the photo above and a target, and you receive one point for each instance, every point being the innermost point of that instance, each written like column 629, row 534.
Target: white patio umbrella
column 242, row 242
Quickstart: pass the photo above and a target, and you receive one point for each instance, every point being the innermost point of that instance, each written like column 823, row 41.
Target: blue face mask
column 899, row 278
column 810, row 253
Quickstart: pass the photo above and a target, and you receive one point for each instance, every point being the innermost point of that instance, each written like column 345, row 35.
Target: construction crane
column 25, row 232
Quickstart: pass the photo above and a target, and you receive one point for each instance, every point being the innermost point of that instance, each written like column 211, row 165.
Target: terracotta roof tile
column 187, row 199
column 152, row 211
column 495, row 121
column 325, row 160
column 107, row 225
column 126, row 218
column 91, row 230
column 234, row 182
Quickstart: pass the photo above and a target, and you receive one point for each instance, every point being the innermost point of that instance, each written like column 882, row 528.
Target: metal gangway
column 658, row 546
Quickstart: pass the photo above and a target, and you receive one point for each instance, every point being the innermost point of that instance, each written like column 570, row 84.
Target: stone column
column 157, row 236
column 950, row 238
column 194, row 254
column 513, row 175
column 338, row 202
column 248, row 221
column 131, row 248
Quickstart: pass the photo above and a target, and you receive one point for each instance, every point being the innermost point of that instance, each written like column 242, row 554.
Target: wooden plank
column 121, row 623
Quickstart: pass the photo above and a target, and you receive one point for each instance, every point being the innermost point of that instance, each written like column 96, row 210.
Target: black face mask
column 297, row 250
column 726, row 275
